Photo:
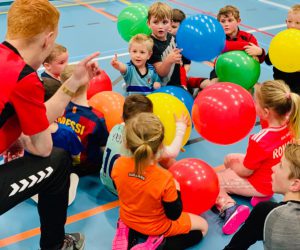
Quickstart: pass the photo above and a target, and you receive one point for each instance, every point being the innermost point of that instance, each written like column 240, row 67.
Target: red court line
column 212, row 14
column 100, row 11
column 71, row 219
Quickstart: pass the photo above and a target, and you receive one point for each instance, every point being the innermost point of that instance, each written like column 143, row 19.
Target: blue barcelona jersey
column 66, row 138
column 89, row 125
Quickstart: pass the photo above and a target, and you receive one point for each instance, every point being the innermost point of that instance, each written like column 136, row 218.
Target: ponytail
column 294, row 117
column 144, row 135
column 142, row 157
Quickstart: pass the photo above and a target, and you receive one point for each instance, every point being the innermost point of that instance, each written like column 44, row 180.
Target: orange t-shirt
column 141, row 196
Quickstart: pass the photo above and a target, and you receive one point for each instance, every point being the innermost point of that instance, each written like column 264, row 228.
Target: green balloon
column 239, row 68
column 133, row 20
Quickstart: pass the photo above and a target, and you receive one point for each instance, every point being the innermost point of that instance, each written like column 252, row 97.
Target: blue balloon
column 180, row 93
column 201, row 37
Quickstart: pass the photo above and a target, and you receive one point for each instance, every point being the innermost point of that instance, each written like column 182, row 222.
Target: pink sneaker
column 151, row 243
column 255, row 200
column 120, row 241
column 234, row 217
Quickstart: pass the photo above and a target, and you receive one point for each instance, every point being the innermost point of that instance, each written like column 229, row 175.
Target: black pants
column 213, row 74
column 49, row 177
column 177, row 242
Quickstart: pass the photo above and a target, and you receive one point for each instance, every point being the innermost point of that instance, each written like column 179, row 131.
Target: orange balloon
column 111, row 105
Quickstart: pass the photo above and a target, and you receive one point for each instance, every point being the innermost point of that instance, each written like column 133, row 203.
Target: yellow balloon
column 284, row 50
column 165, row 106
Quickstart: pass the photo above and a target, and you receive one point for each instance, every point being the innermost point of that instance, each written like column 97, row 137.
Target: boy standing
column 291, row 79
column 166, row 58
column 140, row 77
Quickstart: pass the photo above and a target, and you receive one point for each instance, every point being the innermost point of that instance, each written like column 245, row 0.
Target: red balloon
column 224, row 113
column 199, row 184
column 98, row 84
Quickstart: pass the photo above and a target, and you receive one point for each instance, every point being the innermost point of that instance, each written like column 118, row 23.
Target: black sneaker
column 73, row 241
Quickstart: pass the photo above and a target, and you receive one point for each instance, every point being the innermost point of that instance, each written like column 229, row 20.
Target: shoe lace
column 68, row 241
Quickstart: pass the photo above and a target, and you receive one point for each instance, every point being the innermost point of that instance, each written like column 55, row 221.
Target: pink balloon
column 199, row 184
column 224, row 113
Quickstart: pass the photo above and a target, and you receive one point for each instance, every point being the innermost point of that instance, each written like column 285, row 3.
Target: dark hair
column 50, row 86
column 135, row 104
column 178, row 16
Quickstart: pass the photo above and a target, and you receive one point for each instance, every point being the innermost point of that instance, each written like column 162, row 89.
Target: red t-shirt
column 242, row 39
column 141, row 196
column 265, row 150
column 22, row 106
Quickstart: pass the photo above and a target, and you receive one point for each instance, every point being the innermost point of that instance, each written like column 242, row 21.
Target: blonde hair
column 277, row 96
column 67, row 73
column 142, row 39
column 28, row 18
column 144, row 135
column 295, row 8
column 227, row 10
column 56, row 51
column 292, row 154
column 160, row 11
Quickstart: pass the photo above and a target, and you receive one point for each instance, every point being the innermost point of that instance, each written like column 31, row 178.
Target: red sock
column 183, row 76
column 195, row 82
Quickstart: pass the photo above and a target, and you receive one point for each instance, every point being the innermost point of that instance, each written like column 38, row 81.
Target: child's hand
column 184, row 118
column 253, row 50
column 115, row 63
column 184, row 87
column 175, row 56
column 206, row 83
column 15, row 151
column 156, row 85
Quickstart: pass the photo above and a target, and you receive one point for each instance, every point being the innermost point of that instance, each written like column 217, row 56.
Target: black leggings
column 177, row 242
column 49, row 177
column 183, row 241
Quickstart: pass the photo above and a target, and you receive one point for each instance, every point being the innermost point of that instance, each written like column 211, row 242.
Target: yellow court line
column 70, row 5
column 125, row 2
column 100, row 11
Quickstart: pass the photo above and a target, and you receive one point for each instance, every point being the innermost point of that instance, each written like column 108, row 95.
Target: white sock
column 74, row 179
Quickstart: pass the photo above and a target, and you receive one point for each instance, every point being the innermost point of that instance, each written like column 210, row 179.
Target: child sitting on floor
column 250, row 174
column 115, row 146
column 149, row 196
column 277, row 224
